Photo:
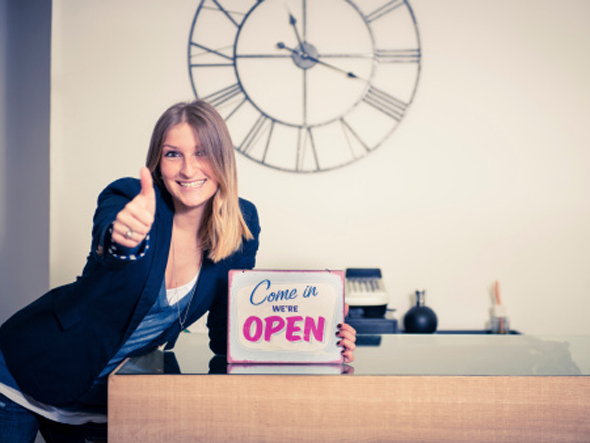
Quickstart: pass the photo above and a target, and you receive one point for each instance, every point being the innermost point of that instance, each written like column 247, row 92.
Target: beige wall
column 484, row 179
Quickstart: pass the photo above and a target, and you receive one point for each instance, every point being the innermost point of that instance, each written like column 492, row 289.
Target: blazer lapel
column 160, row 236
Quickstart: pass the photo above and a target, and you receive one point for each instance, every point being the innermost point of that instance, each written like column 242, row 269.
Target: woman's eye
column 201, row 153
column 171, row 154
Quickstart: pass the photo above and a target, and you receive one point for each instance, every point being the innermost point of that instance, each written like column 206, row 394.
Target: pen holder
column 500, row 323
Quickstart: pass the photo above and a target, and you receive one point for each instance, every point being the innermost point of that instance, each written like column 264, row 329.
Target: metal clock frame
column 305, row 58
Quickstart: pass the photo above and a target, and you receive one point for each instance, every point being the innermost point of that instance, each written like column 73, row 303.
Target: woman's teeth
column 190, row 185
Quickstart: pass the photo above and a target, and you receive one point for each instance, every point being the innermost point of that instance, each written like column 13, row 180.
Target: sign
column 285, row 316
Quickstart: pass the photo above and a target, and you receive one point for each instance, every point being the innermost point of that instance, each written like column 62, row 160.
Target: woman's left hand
column 347, row 341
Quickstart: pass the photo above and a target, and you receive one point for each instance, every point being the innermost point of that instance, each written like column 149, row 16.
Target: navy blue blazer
column 57, row 346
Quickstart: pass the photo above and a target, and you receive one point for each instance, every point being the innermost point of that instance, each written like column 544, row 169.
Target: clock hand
column 303, row 54
column 293, row 22
column 281, row 45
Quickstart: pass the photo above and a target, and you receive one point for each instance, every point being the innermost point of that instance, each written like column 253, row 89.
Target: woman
column 161, row 251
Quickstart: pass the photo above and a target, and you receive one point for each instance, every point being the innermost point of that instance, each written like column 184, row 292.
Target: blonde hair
column 223, row 227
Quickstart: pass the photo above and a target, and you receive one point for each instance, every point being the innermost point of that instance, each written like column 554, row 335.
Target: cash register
column 368, row 302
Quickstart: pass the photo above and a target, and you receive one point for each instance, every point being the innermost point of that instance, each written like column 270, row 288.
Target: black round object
column 420, row 319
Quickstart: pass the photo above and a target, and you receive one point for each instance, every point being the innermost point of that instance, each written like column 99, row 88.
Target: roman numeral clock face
column 306, row 85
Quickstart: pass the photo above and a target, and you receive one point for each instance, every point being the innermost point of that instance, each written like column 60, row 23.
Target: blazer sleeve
column 242, row 259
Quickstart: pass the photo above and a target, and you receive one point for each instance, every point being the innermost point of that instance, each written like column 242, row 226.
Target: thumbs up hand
column 135, row 220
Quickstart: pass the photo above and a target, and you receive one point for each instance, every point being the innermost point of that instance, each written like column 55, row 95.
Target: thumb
column 147, row 186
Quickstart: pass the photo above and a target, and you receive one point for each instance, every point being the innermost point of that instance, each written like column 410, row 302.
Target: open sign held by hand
column 286, row 317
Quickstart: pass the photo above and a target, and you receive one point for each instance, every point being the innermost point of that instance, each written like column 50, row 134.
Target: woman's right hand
column 135, row 220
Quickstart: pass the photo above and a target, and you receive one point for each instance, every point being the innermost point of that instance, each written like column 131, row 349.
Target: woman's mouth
column 192, row 185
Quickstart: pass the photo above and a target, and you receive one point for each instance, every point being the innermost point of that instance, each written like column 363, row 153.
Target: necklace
column 181, row 320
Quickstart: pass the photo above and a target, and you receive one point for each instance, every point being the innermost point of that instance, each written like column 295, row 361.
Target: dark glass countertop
column 397, row 354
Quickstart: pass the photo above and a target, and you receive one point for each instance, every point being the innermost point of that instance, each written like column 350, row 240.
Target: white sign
column 285, row 316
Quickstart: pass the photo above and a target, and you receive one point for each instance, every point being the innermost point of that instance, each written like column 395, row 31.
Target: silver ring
column 129, row 234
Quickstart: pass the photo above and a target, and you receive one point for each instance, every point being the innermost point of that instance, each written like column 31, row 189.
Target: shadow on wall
column 24, row 115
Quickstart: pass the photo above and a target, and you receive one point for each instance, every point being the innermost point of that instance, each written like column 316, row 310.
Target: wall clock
column 306, row 85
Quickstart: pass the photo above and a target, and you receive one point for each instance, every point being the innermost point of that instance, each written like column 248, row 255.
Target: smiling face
column 186, row 169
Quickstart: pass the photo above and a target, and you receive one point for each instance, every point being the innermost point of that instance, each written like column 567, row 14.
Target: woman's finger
column 346, row 331
column 348, row 355
column 135, row 210
column 126, row 222
column 350, row 338
column 347, row 344
column 134, row 218
column 347, row 327
column 125, row 236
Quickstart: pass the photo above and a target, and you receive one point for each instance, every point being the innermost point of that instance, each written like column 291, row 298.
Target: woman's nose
column 189, row 166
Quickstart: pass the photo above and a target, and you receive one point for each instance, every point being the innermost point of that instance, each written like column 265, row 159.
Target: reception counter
column 428, row 388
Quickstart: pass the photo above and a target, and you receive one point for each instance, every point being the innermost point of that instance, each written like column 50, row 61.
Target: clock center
column 305, row 56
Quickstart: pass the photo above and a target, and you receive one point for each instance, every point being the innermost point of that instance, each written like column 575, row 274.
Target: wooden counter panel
column 272, row 408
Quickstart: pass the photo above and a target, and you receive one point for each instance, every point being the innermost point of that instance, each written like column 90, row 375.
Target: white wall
column 483, row 180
